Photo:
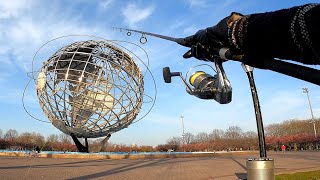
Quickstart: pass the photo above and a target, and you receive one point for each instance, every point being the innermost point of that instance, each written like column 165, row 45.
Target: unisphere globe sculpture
column 90, row 89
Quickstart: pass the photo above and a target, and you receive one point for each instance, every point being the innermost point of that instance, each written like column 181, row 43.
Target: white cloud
column 134, row 14
column 197, row 3
column 105, row 4
column 24, row 30
column 24, row 35
column 13, row 8
column 205, row 3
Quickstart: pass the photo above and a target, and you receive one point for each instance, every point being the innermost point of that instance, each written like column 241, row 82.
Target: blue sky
column 25, row 25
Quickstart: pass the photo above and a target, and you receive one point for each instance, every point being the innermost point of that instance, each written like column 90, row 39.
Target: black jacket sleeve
column 292, row 34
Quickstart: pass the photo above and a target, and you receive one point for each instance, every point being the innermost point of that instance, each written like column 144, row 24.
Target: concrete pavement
column 193, row 168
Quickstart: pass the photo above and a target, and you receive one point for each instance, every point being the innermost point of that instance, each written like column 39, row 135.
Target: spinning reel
column 205, row 86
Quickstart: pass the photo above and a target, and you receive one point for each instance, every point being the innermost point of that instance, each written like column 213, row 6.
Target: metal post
column 183, row 138
column 262, row 141
column 258, row 168
column 305, row 90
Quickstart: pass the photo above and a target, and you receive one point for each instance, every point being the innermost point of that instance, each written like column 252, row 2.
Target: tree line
column 12, row 140
column 295, row 134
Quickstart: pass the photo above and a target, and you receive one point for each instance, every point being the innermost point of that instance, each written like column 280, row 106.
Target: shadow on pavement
column 240, row 175
column 122, row 169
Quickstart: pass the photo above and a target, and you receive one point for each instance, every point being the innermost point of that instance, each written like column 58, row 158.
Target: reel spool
column 204, row 85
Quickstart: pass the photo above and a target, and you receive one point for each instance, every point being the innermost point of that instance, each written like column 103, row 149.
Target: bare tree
column 11, row 135
column 250, row 135
column 216, row 134
column 30, row 140
column 202, row 137
column 174, row 142
column 52, row 138
column 188, row 137
column 38, row 139
column 64, row 138
column 233, row 132
column 274, row 130
column 250, row 140
column 290, row 127
column 24, row 138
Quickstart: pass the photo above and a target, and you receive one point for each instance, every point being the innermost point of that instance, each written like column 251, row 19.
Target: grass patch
column 311, row 175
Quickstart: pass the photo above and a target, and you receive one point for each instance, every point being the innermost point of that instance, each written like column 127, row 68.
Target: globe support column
column 81, row 147
column 104, row 142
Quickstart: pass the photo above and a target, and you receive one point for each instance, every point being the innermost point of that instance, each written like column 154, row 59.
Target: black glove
column 200, row 51
column 205, row 41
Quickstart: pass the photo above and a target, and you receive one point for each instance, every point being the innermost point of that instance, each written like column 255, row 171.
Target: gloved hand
column 212, row 37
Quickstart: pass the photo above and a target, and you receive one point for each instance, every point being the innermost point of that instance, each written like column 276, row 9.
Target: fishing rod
column 294, row 70
column 143, row 38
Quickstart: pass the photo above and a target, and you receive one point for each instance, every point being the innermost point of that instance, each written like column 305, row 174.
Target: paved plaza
column 194, row 168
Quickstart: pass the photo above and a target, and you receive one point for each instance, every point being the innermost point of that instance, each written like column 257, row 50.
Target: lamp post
column 183, row 140
column 305, row 90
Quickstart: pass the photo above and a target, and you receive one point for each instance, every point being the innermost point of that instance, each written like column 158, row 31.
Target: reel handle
column 167, row 74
